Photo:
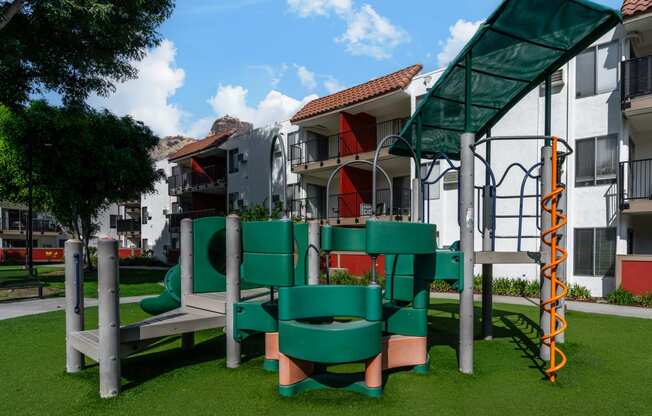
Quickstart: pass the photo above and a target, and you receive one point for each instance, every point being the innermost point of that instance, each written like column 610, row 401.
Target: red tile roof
column 395, row 81
column 214, row 140
column 634, row 7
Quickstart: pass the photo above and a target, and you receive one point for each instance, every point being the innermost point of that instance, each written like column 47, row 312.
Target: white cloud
column 275, row 73
column 370, row 34
column 306, row 8
column 146, row 98
column 332, row 85
column 367, row 33
column 460, row 33
column 232, row 100
column 306, row 77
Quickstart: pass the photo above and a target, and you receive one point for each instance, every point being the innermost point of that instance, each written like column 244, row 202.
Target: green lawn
column 609, row 373
column 133, row 282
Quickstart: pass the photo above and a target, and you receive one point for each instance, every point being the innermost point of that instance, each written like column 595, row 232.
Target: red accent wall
column 636, row 276
column 357, row 264
column 355, row 187
column 357, row 133
column 50, row 255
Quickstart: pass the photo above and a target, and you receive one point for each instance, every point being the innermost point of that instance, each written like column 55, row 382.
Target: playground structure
column 263, row 277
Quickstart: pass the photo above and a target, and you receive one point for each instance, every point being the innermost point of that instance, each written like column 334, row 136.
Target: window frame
column 595, row 49
column 144, row 215
column 113, row 221
column 594, row 259
column 596, row 181
column 234, row 165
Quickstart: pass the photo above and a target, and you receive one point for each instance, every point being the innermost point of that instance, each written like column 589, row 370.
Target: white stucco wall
column 158, row 204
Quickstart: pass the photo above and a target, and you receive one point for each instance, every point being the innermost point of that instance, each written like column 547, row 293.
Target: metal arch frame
column 374, row 167
column 277, row 138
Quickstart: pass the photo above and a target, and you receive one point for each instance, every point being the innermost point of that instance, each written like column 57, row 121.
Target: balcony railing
column 351, row 205
column 211, row 177
column 38, row 225
column 636, row 79
column 128, row 225
column 342, row 144
column 634, row 181
column 175, row 219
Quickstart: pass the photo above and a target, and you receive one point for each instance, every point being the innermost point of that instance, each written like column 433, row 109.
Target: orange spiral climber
column 558, row 255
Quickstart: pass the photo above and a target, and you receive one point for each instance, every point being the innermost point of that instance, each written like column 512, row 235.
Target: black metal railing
column 128, row 225
column 352, row 205
column 189, row 181
column 342, row 144
column 175, row 219
column 20, row 225
column 634, row 181
column 636, row 78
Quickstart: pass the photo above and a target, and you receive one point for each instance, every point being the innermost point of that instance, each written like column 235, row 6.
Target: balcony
column 331, row 151
column 352, row 208
column 175, row 219
column 636, row 91
column 128, row 226
column 9, row 224
column 211, row 180
column 635, row 186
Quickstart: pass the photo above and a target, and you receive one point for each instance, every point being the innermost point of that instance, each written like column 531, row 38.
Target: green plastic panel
column 385, row 237
column 254, row 317
column 268, row 237
column 209, row 254
column 335, row 342
column 304, row 302
column 330, row 381
column 450, row 267
column 343, row 239
column 405, row 320
column 268, row 269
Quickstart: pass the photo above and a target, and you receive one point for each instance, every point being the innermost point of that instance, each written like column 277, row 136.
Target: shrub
column 441, row 286
column 142, row 261
column 579, row 292
column 645, row 300
column 621, row 297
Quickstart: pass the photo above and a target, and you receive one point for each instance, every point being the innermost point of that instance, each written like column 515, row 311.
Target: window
column 596, row 161
column 431, row 191
column 596, row 70
column 233, row 198
column 145, row 245
column 144, row 215
column 113, row 221
column 233, row 161
column 595, row 251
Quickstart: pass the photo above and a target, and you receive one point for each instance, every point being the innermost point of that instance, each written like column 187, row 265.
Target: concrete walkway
column 15, row 309
column 596, row 308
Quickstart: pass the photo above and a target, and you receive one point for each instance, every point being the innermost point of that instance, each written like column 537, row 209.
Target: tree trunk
column 86, row 237
column 11, row 11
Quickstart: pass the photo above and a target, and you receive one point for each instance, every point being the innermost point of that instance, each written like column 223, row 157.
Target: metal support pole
column 562, row 269
column 416, row 199
column 546, row 187
column 487, row 269
column 467, row 246
column 314, row 248
column 233, row 260
column 186, row 265
column 109, row 316
column 74, row 302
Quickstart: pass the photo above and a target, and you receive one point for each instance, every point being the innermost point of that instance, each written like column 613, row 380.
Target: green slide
column 171, row 296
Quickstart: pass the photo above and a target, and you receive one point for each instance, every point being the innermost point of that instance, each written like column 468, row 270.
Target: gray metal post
column 186, row 265
column 562, row 269
column 546, row 187
column 233, row 260
column 74, row 302
column 314, row 248
column 466, row 202
column 487, row 269
column 416, row 199
column 109, row 316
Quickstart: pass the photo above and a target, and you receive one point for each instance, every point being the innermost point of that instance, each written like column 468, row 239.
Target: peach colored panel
column 373, row 373
column 271, row 346
column 402, row 351
column 292, row 370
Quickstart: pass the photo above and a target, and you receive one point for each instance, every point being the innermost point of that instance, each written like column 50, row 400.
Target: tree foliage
column 83, row 161
column 74, row 47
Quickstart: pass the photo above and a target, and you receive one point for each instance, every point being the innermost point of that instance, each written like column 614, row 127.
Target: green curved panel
column 159, row 304
column 209, row 254
column 268, row 269
column 385, row 237
column 450, row 267
column 406, row 321
column 343, row 239
column 270, row 237
column 304, row 302
column 336, row 342
column 254, row 317
column 330, row 381
column 172, row 282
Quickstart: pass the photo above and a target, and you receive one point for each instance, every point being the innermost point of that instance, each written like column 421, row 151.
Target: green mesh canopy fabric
column 511, row 53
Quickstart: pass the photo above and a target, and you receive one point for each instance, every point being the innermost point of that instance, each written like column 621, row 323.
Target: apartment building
column 13, row 228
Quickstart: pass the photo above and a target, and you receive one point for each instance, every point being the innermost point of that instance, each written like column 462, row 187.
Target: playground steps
column 216, row 301
column 135, row 337
column 507, row 257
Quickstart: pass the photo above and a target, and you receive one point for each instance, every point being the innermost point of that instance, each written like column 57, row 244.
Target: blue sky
column 261, row 59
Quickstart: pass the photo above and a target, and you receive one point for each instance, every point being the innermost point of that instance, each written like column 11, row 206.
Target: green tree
column 74, row 47
column 83, row 161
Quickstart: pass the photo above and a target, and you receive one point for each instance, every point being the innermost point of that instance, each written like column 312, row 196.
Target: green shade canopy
column 511, row 54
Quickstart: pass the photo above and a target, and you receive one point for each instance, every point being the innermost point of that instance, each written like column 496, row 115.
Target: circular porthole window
column 217, row 251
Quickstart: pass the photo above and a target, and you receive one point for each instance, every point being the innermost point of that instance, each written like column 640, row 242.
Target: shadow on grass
column 523, row 331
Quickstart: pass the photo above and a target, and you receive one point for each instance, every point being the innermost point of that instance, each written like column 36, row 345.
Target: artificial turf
column 609, row 373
